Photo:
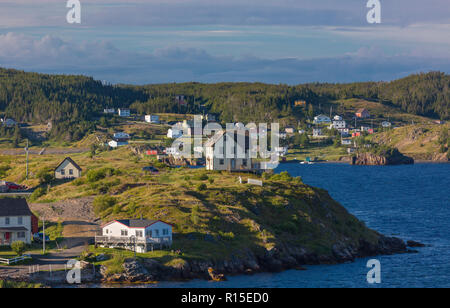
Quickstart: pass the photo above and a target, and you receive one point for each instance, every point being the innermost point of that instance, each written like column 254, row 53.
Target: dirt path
column 79, row 229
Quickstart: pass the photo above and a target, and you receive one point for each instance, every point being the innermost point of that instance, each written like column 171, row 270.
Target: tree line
column 74, row 103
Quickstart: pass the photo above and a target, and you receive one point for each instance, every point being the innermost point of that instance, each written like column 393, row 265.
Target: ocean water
column 411, row 202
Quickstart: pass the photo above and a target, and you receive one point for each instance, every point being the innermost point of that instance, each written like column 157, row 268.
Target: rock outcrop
column 368, row 158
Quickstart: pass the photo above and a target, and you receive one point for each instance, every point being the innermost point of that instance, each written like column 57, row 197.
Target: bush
column 18, row 247
column 201, row 187
column 78, row 182
column 99, row 174
column 201, row 177
column 45, row 176
column 37, row 193
column 102, row 203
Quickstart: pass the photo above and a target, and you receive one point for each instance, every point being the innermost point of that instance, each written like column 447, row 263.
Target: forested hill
column 421, row 94
column 73, row 102
column 70, row 102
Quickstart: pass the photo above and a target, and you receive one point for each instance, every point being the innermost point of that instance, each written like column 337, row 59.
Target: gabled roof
column 71, row 161
column 360, row 110
column 211, row 141
column 14, row 207
column 136, row 223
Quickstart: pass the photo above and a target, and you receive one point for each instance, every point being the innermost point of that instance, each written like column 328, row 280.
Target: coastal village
column 35, row 214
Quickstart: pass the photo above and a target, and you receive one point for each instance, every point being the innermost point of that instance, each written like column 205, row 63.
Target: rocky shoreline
column 371, row 159
column 142, row 271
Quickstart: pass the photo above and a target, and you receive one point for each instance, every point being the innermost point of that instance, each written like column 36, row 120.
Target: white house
column 17, row 222
column 138, row 235
column 150, row 118
column 8, row 122
column 281, row 151
column 109, row 110
column 172, row 151
column 124, row 112
column 68, row 169
column 121, row 136
column 386, row 124
column 218, row 155
column 337, row 124
column 321, row 119
column 346, row 141
column 175, row 132
column 116, row 144
column 317, row 132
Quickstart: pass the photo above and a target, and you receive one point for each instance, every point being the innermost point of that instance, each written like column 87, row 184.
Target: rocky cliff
column 368, row 158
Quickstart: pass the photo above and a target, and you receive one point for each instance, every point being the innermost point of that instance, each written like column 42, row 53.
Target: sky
column 272, row 41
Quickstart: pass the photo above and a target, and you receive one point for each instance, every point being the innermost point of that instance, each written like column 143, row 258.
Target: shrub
column 201, row 177
column 45, row 176
column 78, row 182
column 18, row 247
column 201, row 187
column 37, row 193
column 102, row 203
column 99, row 174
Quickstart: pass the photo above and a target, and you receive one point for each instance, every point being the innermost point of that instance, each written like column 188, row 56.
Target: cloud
column 15, row 13
column 104, row 61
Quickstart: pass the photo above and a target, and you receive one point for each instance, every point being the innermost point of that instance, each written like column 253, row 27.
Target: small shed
column 68, row 169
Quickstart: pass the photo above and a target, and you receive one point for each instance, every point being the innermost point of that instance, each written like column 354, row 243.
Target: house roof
column 136, row 223
column 360, row 110
column 211, row 141
column 14, row 207
column 71, row 161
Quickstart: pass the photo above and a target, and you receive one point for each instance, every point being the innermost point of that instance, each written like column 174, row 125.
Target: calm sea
column 410, row 202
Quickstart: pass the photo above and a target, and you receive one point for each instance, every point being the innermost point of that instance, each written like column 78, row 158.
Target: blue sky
column 275, row 41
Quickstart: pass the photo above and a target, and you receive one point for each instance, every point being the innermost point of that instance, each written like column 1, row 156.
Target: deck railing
column 128, row 240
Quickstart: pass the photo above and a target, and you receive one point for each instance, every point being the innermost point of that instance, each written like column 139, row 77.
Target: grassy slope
column 417, row 141
column 231, row 216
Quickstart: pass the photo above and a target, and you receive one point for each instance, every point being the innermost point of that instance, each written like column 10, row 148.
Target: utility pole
column 43, row 235
column 26, row 150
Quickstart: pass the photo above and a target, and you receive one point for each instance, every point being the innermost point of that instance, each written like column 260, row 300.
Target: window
column 7, row 221
column 220, row 161
column 106, row 231
column 138, row 233
column 148, row 233
column 21, row 234
column 124, row 232
column 70, row 172
column 156, row 232
column 165, row 231
column 244, row 162
column 63, row 172
column 19, row 220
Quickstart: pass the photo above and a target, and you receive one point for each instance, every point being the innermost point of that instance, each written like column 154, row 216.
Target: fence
column 14, row 260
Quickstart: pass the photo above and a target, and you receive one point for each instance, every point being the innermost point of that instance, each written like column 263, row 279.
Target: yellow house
column 68, row 169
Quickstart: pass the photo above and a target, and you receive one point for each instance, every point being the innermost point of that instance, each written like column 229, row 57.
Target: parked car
column 38, row 237
column 150, row 169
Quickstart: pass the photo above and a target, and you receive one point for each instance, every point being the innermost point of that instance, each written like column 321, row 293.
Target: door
column 7, row 237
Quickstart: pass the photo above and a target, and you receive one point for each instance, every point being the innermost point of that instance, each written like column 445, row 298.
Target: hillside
column 422, row 142
column 74, row 104
column 283, row 224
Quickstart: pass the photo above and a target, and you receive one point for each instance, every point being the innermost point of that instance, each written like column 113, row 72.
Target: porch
column 133, row 243
column 12, row 234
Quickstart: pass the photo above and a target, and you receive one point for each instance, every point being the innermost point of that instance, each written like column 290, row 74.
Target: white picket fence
column 14, row 260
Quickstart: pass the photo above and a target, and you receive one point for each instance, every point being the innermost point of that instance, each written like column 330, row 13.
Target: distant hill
column 74, row 103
